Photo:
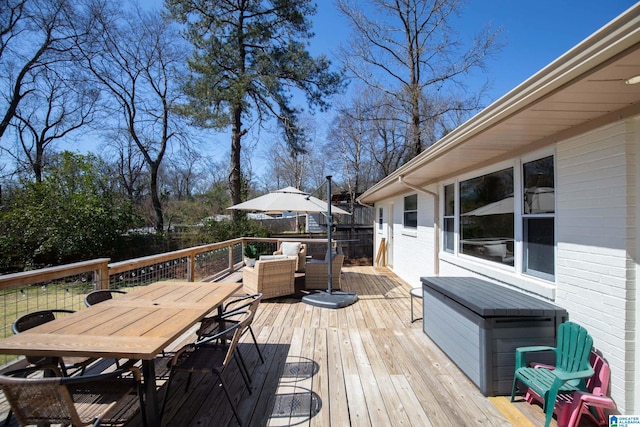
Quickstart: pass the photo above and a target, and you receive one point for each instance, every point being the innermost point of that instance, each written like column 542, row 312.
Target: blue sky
column 536, row 32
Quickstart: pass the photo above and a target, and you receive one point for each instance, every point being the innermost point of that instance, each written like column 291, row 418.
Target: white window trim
column 456, row 212
column 508, row 274
column 408, row 229
column 519, row 224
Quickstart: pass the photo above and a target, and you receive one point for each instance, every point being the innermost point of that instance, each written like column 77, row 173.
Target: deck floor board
column 362, row 365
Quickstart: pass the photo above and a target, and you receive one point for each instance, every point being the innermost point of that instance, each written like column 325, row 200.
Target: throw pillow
column 290, row 248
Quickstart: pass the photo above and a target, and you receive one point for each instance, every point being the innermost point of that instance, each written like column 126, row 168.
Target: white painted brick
column 595, row 259
column 596, row 229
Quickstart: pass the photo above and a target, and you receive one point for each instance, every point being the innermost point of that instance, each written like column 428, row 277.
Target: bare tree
column 59, row 104
column 34, row 35
column 216, row 195
column 388, row 148
column 286, row 167
column 11, row 13
column 408, row 50
column 184, row 174
column 351, row 131
column 136, row 57
column 380, row 132
column 289, row 167
column 128, row 162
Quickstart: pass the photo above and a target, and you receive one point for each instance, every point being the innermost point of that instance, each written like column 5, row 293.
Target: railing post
column 231, row 245
column 191, row 267
column 102, row 274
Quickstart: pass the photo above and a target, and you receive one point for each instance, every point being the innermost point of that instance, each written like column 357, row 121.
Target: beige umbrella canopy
column 293, row 200
column 287, row 199
column 504, row 206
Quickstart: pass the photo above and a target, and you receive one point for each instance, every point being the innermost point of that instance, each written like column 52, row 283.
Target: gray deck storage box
column 479, row 325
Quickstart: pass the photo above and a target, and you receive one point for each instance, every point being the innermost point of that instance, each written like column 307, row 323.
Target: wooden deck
column 363, row 365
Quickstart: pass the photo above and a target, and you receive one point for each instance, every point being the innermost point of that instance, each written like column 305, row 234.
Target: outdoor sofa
column 271, row 277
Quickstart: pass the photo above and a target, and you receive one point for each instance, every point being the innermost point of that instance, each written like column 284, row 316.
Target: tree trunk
column 39, row 161
column 155, row 198
column 415, row 120
column 235, row 169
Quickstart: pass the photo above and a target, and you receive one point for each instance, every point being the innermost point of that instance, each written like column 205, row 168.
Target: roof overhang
column 583, row 89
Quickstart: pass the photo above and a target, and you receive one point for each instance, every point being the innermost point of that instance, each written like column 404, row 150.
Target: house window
column 411, row 211
column 481, row 215
column 448, row 219
column 380, row 218
column 538, row 218
column 487, row 216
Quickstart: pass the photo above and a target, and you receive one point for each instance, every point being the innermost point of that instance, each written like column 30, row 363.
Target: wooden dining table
column 138, row 325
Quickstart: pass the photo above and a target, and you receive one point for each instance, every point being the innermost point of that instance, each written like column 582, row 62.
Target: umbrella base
column 335, row 299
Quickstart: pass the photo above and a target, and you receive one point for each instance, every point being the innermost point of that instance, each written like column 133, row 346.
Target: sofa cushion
column 290, row 248
column 268, row 257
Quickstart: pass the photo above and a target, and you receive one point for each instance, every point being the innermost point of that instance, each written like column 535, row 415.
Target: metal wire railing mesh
column 237, row 253
column 211, row 263
column 174, row 269
column 68, row 292
column 64, row 293
column 265, row 248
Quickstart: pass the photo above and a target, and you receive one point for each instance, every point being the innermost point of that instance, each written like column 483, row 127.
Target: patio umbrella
column 287, row 199
column 291, row 199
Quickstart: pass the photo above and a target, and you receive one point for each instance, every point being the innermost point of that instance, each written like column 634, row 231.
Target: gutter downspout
column 436, row 221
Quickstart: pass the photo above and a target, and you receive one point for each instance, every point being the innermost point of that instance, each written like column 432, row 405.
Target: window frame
column 406, row 212
column 525, row 217
column 518, row 268
column 449, row 218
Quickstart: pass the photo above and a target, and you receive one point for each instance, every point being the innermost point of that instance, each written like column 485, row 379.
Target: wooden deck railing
column 65, row 286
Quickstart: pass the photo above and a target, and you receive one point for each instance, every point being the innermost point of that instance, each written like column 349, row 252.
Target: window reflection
column 411, row 211
column 539, row 244
column 538, row 218
column 539, row 191
column 487, row 216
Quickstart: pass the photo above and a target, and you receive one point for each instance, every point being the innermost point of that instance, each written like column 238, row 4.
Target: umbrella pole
column 329, row 299
column 329, row 231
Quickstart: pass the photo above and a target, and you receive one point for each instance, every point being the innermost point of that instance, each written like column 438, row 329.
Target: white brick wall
column 413, row 249
column 596, row 202
column 596, row 193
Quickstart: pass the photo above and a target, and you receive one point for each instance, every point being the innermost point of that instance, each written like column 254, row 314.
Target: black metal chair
column 100, row 295
column 215, row 324
column 211, row 356
column 68, row 366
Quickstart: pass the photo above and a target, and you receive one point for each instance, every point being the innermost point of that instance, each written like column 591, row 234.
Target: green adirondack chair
column 571, row 369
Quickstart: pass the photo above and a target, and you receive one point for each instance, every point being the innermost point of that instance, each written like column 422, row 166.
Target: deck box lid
column 490, row 300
